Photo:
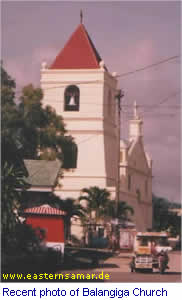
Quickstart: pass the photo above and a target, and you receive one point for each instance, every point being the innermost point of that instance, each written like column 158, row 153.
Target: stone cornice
column 68, row 71
column 72, row 175
column 68, row 82
column 92, row 132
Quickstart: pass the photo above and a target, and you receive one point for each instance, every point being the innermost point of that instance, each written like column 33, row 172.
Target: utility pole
column 119, row 96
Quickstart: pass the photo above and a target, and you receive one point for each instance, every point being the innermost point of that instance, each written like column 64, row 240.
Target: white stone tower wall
column 92, row 127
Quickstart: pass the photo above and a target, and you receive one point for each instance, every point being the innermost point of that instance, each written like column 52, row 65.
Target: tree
column 10, row 137
column 43, row 130
column 12, row 185
column 160, row 213
column 72, row 209
column 13, row 170
column 163, row 216
column 97, row 199
column 123, row 211
column 26, row 128
column 37, row 130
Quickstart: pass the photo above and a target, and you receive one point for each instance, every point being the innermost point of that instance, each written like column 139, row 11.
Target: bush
column 22, row 239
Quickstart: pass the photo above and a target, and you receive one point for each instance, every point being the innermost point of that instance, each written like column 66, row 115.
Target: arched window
column 109, row 103
column 138, row 195
column 121, row 156
column 146, row 187
column 129, row 182
column 72, row 98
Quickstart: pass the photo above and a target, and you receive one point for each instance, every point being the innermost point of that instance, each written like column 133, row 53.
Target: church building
column 80, row 88
column 136, row 174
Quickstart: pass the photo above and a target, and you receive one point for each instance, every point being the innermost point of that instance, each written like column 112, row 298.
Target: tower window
column 146, row 187
column 129, row 182
column 121, row 156
column 138, row 195
column 109, row 103
column 72, row 98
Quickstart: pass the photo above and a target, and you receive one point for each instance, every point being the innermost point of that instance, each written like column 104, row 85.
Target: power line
column 127, row 106
column 149, row 66
column 175, row 93
column 164, row 100
column 65, row 85
column 120, row 75
column 149, row 107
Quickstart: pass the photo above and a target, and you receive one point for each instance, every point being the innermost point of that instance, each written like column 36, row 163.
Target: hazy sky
column 128, row 35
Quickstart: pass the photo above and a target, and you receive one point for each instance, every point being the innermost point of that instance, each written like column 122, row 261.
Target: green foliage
column 43, row 129
column 26, row 128
column 164, row 218
column 37, row 130
column 97, row 199
column 10, row 136
column 13, row 170
column 22, row 239
column 6, row 80
column 122, row 212
column 160, row 213
column 72, row 209
column 12, row 180
column 99, row 202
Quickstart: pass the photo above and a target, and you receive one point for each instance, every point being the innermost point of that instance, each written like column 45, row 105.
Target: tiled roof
column 42, row 172
column 78, row 53
column 45, row 210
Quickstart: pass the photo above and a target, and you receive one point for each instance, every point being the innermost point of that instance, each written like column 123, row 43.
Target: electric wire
column 149, row 66
column 119, row 75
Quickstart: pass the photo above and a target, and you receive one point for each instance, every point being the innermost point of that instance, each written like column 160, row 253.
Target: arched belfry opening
column 72, row 98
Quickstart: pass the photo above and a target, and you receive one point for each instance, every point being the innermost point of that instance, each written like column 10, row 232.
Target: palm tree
column 123, row 210
column 97, row 199
column 71, row 208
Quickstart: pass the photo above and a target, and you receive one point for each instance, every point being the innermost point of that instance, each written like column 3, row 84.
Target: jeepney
column 147, row 249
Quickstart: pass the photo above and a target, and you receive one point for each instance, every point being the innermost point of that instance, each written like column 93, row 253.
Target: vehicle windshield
column 159, row 241
column 162, row 241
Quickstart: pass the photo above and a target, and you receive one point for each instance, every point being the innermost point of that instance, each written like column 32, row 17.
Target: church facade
column 81, row 89
column 136, row 174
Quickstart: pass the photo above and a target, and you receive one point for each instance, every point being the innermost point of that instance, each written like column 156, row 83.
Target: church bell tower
column 80, row 88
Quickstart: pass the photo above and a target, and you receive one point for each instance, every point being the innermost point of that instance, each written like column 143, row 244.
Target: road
column 118, row 269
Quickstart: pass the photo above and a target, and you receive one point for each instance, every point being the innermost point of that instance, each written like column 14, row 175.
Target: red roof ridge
column 44, row 209
column 89, row 42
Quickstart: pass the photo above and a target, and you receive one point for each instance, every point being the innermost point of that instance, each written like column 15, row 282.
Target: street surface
column 118, row 269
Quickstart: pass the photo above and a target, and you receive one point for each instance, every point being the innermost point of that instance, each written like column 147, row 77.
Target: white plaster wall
column 137, row 167
column 93, row 130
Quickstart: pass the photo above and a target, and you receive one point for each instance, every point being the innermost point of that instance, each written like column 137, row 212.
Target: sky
column 128, row 35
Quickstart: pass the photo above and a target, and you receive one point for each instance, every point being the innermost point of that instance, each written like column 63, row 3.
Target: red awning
column 45, row 210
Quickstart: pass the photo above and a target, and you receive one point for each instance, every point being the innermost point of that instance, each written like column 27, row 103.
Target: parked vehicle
column 150, row 252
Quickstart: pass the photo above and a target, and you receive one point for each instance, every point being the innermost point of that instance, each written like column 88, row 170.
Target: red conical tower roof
column 78, row 53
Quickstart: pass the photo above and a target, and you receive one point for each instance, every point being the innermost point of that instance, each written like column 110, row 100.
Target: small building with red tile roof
column 51, row 221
